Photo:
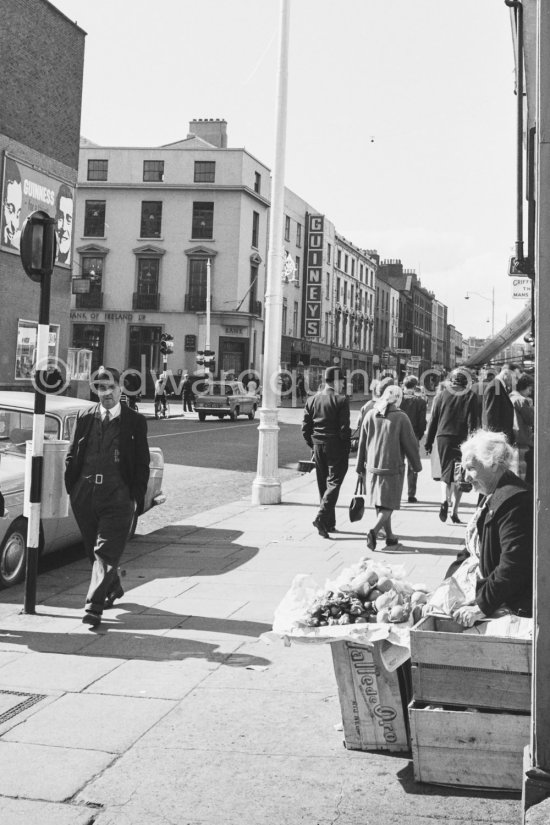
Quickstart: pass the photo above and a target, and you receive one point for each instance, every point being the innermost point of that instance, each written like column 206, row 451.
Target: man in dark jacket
column 498, row 410
column 414, row 405
column 106, row 475
column 326, row 429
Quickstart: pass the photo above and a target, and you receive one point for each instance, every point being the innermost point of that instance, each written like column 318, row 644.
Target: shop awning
column 521, row 323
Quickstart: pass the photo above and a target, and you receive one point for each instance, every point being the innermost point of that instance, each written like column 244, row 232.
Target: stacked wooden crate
column 470, row 713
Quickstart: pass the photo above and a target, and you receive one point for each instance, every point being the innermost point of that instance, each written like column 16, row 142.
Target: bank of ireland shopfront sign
column 314, row 276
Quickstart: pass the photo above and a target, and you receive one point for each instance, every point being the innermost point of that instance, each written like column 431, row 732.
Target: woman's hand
column 468, row 615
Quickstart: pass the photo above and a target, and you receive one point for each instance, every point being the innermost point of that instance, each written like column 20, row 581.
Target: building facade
column 164, row 232
column 39, row 144
column 162, row 235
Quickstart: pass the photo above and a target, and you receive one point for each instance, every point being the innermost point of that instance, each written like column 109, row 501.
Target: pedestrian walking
column 160, row 396
column 454, row 417
column 498, row 410
column 524, row 425
column 187, row 394
column 106, row 475
column 386, row 439
column 414, row 405
column 326, row 429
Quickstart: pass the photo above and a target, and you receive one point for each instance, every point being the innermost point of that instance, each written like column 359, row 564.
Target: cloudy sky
column 401, row 117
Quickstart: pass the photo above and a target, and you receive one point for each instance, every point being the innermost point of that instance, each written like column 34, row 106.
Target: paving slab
column 45, row 672
column 91, row 721
column 162, row 648
column 25, row 812
column 159, row 680
column 258, row 723
column 236, row 788
column 47, row 773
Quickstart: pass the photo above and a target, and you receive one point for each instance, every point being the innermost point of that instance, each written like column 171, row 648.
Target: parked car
column 223, row 398
column 16, row 420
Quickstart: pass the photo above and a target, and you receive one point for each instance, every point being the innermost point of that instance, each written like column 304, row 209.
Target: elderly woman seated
column 500, row 533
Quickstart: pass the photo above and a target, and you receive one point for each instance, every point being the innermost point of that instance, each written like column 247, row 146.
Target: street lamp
column 485, row 298
column 266, row 488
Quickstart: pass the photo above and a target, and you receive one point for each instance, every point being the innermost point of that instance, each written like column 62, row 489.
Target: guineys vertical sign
column 314, row 275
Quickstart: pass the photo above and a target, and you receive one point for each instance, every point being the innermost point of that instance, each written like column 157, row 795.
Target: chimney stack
column 211, row 129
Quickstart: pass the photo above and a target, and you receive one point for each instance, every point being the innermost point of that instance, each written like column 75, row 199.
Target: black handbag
column 459, row 479
column 357, row 503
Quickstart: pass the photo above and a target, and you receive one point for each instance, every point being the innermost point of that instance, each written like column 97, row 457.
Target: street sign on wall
column 402, row 351
column 521, row 288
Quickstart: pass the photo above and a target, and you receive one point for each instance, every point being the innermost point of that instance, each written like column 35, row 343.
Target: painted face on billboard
column 13, row 200
column 64, row 218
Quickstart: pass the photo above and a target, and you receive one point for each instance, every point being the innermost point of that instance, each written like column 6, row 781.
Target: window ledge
column 95, row 237
column 201, row 240
column 150, row 238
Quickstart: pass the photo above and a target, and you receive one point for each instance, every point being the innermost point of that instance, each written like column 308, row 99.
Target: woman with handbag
column 386, row 439
column 454, row 417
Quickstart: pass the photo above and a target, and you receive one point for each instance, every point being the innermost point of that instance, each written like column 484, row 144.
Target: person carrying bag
column 357, row 503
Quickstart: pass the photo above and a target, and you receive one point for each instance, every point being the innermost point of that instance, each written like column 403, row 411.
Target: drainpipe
column 519, row 265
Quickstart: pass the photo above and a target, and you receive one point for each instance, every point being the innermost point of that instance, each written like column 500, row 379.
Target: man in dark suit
column 326, row 429
column 498, row 410
column 415, row 406
column 106, row 475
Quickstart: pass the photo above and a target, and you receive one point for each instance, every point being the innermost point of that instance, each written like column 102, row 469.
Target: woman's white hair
column 489, row 449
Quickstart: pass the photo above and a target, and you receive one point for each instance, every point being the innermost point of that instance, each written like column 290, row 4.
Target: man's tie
column 106, row 419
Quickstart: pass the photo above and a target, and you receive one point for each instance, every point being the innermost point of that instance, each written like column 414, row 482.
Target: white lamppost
column 266, row 487
column 492, row 300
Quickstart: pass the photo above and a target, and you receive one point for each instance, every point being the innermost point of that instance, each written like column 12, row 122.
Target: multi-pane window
column 353, row 266
column 297, row 273
column 153, row 170
column 327, row 295
column 298, row 234
column 94, row 219
column 329, row 252
column 203, row 220
column 287, row 228
column 339, row 259
column 148, row 276
column 295, row 320
column 151, row 219
column 205, row 171
column 345, row 263
column 285, row 318
column 97, row 169
column 257, row 182
column 92, row 269
column 197, row 284
column 255, row 228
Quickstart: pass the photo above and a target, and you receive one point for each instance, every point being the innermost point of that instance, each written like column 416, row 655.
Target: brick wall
column 41, row 63
column 41, row 66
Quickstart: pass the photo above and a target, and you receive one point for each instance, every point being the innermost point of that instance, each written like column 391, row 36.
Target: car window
column 16, row 426
column 68, row 427
column 229, row 390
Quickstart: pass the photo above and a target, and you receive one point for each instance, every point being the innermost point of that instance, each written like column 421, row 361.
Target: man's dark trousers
column 331, row 465
column 104, row 514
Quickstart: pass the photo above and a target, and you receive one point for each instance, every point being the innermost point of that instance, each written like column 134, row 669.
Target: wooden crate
column 453, row 668
column 474, row 749
column 373, row 700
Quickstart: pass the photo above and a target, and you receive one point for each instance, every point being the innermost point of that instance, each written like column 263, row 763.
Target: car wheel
column 234, row 414
column 202, row 416
column 252, row 413
column 12, row 554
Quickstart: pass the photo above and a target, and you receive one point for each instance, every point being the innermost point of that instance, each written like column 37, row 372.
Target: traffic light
column 209, row 360
column 166, row 343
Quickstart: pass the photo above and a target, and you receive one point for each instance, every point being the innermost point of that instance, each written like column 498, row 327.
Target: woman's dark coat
column 506, row 548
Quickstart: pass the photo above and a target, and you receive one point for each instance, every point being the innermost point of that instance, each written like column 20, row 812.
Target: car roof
column 59, row 404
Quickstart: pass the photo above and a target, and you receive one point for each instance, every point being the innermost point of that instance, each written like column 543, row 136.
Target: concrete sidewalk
column 174, row 711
